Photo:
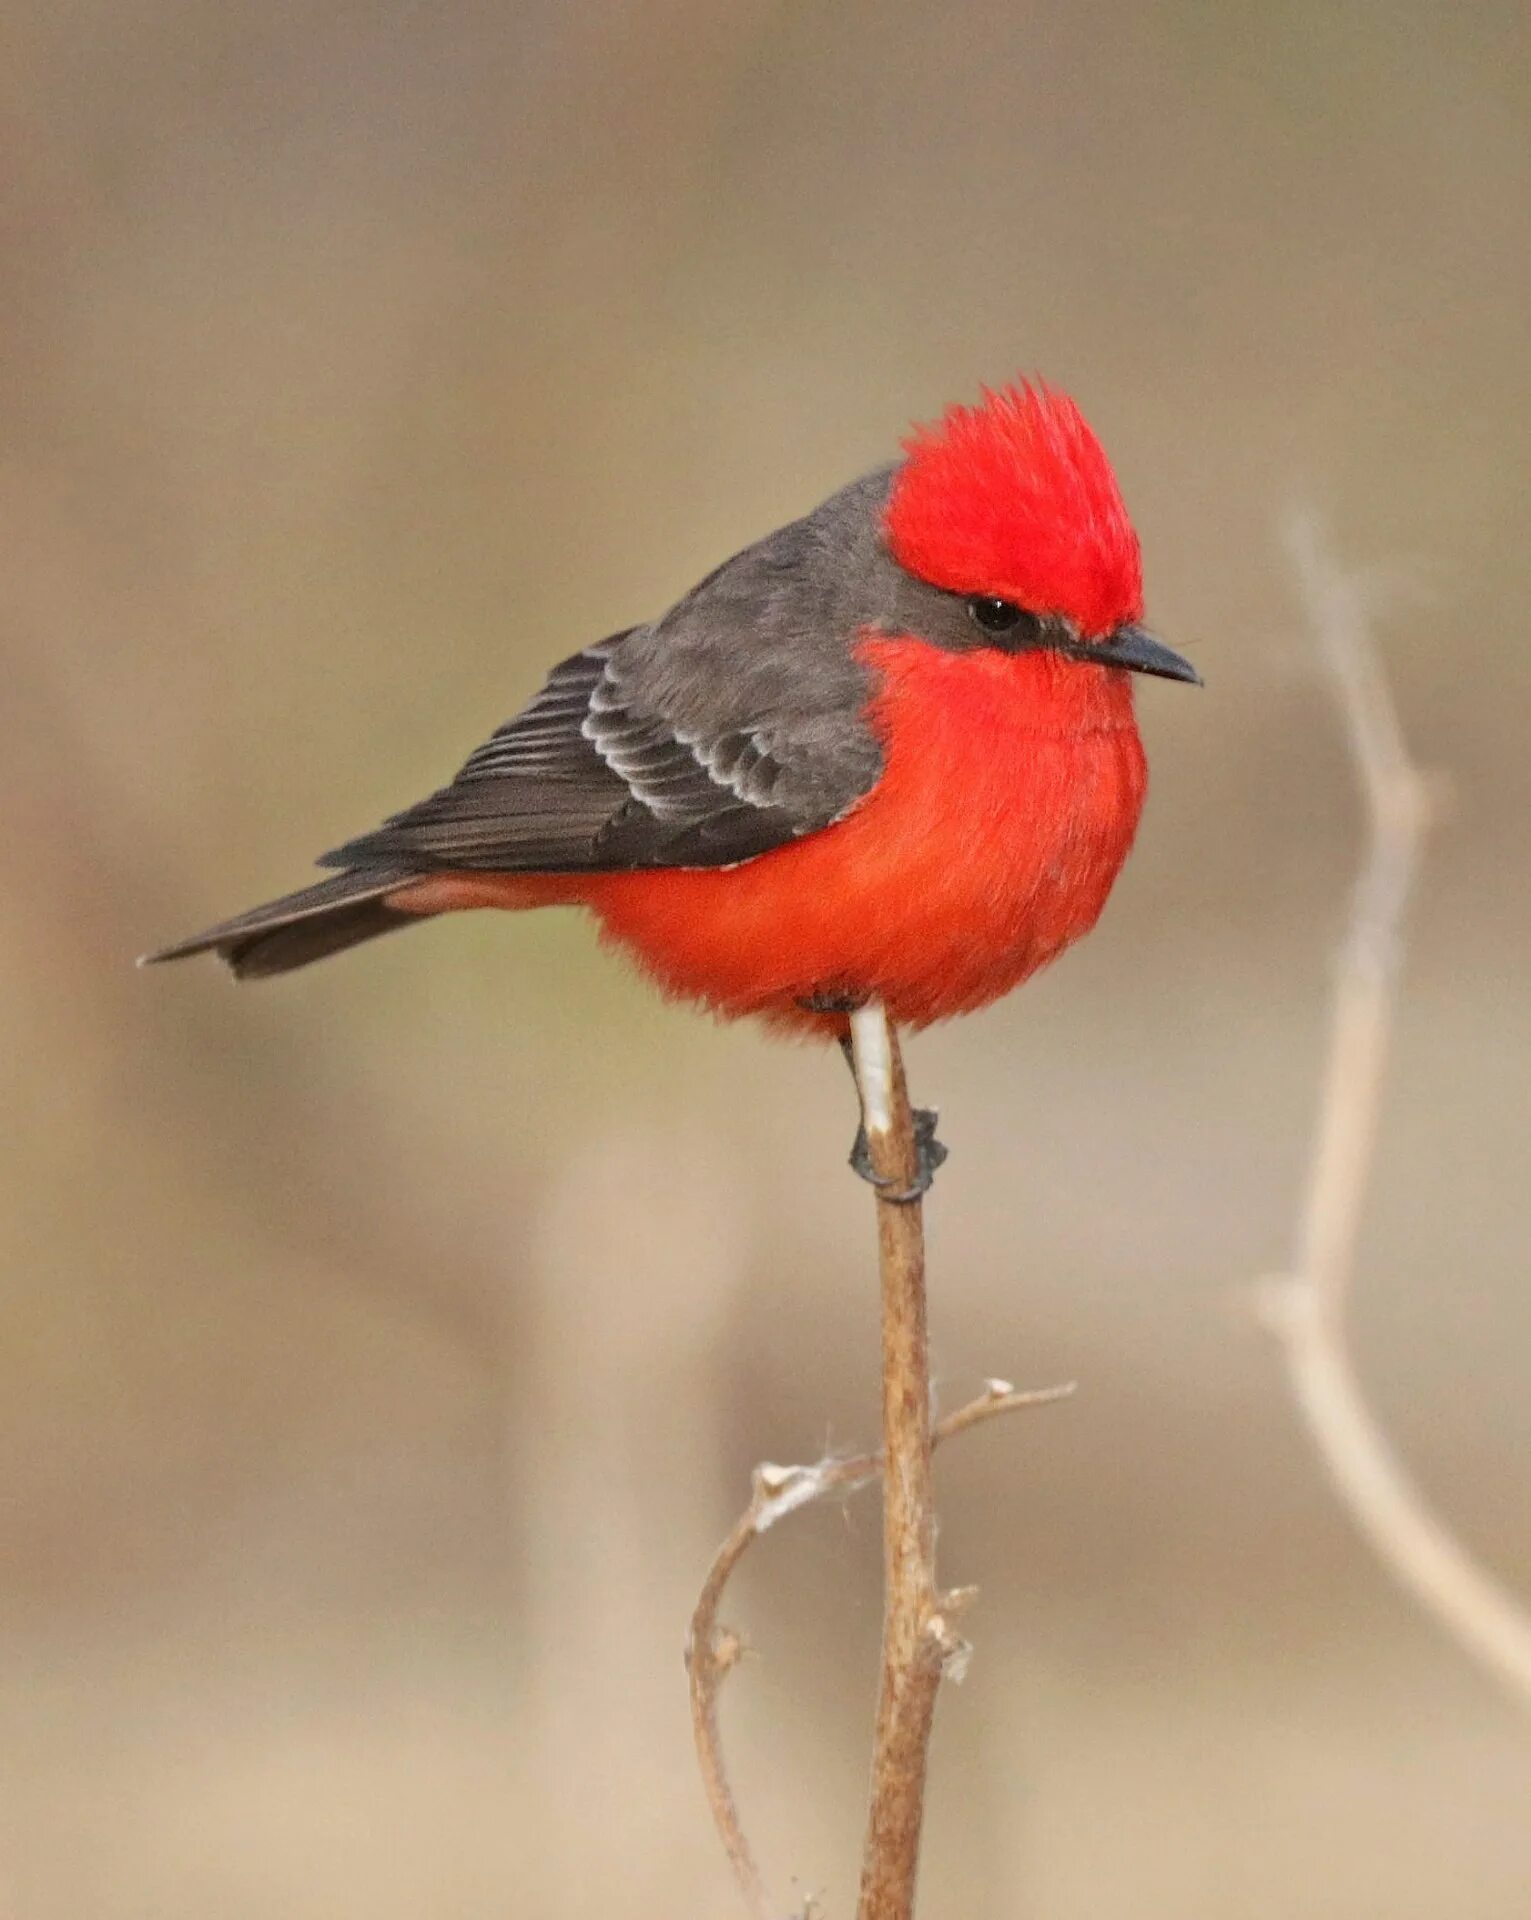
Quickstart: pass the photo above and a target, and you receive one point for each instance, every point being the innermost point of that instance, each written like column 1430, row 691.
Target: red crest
column 1016, row 498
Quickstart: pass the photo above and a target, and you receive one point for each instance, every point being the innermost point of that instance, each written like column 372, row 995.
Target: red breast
column 1009, row 800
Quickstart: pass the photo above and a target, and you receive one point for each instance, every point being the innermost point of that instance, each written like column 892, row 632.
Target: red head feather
column 1016, row 498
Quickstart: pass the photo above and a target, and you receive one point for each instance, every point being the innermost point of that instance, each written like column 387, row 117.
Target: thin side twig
column 1306, row 1309
column 714, row 1650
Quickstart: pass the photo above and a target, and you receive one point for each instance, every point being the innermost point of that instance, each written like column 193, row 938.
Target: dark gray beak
column 1136, row 649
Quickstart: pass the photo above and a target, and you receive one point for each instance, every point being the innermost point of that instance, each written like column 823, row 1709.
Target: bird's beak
column 1136, row 649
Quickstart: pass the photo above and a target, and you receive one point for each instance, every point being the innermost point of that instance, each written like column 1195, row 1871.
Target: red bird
column 888, row 752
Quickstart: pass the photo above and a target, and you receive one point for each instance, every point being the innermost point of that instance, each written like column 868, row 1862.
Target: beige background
column 386, row 1349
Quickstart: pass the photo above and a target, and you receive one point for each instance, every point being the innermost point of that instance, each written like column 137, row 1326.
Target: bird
column 887, row 753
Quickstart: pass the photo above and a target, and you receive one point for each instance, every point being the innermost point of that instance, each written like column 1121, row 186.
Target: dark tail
column 300, row 927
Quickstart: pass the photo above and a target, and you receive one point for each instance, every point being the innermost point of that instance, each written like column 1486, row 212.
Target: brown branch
column 918, row 1624
column 712, row 1651
column 1306, row 1309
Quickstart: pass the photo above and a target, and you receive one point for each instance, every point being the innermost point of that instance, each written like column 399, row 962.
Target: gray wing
column 734, row 724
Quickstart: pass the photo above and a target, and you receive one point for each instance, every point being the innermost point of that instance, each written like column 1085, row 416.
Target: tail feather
column 300, row 927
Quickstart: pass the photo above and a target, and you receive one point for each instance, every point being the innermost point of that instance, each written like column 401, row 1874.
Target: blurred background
column 386, row 1350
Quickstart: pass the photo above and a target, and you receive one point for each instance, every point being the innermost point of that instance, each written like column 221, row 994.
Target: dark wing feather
column 600, row 772
column 735, row 723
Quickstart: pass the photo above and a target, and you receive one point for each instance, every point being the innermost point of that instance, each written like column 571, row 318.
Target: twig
column 1306, row 1309
column 713, row 1651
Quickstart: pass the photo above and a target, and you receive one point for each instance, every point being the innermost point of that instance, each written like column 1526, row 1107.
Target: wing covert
column 600, row 773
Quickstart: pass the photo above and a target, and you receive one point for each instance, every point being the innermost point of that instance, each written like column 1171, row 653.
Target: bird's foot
column 929, row 1154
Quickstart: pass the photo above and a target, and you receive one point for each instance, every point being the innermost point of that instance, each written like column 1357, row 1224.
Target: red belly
column 1010, row 796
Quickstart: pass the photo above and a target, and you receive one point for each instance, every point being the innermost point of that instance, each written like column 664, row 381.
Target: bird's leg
column 929, row 1151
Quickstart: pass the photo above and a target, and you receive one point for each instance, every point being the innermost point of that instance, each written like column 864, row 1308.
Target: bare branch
column 918, row 1631
column 1306, row 1309
column 712, row 1650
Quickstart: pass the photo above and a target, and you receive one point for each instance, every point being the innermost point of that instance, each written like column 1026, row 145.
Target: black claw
column 929, row 1154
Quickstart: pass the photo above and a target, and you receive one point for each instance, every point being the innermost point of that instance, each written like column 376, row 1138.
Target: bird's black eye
column 995, row 616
